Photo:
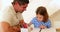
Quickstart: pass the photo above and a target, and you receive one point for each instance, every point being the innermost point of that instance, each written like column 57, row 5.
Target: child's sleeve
column 33, row 21
column 48, row 24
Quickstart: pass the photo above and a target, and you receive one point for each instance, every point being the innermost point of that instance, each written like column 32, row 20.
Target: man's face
column 20, row 8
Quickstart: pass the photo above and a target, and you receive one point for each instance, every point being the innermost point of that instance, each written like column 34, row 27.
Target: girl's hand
column 31, row 28
column 42, row 27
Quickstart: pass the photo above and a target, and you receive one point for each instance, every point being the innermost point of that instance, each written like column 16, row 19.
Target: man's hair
column 42, row 11
column 21, row 2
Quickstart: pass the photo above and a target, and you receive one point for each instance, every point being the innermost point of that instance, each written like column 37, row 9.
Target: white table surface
column 37, row 30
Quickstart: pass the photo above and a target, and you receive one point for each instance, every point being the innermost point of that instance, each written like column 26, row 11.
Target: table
column 58, row 29
column 37, row 30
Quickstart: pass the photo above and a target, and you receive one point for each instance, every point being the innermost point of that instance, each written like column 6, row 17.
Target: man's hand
column 7, row 28
column 23, row 24
column 17, row 28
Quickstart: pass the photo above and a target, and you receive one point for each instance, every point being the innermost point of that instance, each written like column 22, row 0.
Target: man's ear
column 16, row 3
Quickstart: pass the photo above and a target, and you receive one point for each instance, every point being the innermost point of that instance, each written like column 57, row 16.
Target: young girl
column 42, row 19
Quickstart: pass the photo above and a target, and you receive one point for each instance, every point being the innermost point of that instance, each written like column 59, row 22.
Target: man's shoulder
column 7, row 8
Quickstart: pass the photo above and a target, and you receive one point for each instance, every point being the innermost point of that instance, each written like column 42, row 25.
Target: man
column 11, row 16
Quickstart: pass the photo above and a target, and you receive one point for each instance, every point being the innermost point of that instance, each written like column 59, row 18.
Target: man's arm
column 6, row 27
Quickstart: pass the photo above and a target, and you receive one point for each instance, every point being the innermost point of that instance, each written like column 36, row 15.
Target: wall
column 5, row 3
column 0, row 5
column 56, row 19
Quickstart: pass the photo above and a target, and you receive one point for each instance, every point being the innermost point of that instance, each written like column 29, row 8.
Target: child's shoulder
column 48, row 20
column 34, row 18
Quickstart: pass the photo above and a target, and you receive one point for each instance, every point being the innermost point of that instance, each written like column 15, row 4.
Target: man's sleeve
column 5, row 16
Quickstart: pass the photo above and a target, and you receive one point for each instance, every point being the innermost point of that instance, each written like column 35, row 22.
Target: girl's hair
column 42, row 11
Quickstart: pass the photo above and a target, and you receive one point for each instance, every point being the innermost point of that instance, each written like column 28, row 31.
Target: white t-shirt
column 10, row 16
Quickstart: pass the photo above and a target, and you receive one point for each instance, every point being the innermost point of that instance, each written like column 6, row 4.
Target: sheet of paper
column 35, row 30
column 38, row 29
column 49, row 30
column 44, row 30
column 24, row 30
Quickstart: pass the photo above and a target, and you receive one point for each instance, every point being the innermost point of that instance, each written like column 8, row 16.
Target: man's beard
column 21, row 11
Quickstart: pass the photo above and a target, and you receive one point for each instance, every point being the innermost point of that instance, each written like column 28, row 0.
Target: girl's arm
column 30, row 24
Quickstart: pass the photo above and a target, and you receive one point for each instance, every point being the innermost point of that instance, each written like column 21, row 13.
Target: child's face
column 39, row 17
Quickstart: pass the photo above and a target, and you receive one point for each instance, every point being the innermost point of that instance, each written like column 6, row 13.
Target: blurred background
column 53, row 8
